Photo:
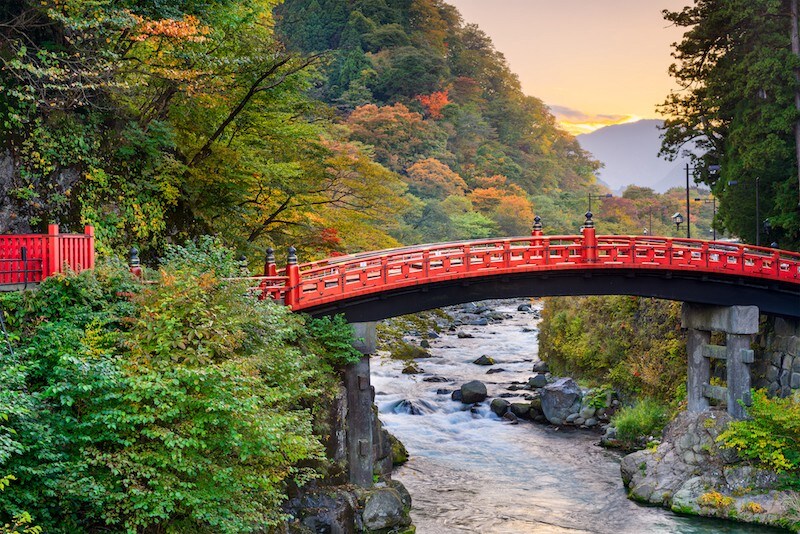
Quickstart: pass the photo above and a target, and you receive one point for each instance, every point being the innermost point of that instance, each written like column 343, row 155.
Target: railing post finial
column 270, row 268
column 134, row 265
column 589, row 223
column 537, row 226
column 292, row 259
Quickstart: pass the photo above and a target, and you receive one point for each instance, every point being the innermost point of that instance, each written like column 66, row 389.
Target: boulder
column 560, row 399
column 521, row 409
column 539, row 380
column 399, row 453
column 472, row 392
column 540, row 367
column 484, row 360
column 495, row 370
column 331, row 510
column 513, row 419
column 435, row 379
column 464, row 335
column 524, row 307
column 587, row 412
column 384, row 509
column 456, row 395
column 411, row 369
column 499, row 406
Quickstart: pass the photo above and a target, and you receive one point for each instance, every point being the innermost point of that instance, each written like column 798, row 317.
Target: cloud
column 578, row 122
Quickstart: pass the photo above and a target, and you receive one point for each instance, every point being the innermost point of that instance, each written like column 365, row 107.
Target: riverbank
column 471, row 472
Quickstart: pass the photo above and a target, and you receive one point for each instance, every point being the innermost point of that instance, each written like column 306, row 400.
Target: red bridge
column 30, row 258
column 376, row 285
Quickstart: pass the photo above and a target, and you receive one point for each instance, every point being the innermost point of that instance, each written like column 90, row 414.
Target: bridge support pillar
column 360, row 398
column 739, row 323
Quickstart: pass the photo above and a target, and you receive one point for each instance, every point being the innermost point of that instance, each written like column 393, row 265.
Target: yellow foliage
column 714, row 499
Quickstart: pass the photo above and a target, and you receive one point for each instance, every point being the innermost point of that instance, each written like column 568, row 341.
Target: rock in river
column 560, row 399
column 472, row 392
column 499, row 406
column 484, row 360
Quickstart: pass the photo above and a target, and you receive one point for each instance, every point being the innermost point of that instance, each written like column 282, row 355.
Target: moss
column 406, row 351
column 399, row 452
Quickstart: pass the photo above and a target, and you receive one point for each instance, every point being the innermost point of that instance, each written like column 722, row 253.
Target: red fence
column 322, row 282
column 29, row 258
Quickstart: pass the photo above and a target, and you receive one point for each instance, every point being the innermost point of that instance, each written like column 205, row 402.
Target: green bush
column 182, row 406
column 770, row 437
column 645, row 418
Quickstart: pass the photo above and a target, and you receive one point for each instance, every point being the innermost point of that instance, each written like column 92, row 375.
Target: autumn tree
column 399, row 136
column 432, row 178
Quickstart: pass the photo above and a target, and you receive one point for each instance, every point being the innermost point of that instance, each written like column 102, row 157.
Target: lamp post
column 713, row 202
column 677, row 218
column 597, row 197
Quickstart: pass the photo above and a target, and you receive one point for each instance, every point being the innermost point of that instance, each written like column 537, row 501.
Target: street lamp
column 597, row 197
column 713, row 202
column 677, row 218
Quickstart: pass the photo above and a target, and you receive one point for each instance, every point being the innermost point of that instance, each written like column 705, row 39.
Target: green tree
column 737, row 110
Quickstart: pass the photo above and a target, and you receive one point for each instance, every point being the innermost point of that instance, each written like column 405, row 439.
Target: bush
column 645, row 418
column 770, row 437
column 182, row 406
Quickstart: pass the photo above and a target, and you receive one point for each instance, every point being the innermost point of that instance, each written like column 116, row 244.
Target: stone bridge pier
column 739, row 324
column 360, row 417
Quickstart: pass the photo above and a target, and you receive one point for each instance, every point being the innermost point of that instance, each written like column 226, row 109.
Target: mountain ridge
column 629, row 153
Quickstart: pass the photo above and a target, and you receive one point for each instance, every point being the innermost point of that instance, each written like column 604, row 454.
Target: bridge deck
column 324, row 284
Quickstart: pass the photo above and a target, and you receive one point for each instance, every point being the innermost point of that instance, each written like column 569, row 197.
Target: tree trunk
column 796, row 52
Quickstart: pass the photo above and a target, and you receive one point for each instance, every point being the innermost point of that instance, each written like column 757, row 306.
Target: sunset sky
column 594, row 62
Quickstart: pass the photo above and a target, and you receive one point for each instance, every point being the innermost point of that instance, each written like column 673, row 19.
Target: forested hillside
column 361, row 126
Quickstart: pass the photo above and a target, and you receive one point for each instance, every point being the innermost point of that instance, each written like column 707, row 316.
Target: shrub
column 714, row 499
column 645, row 418
column 770, row 437
column 182, row 406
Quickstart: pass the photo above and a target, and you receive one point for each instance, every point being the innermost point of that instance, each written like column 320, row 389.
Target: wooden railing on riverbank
column 30, row 258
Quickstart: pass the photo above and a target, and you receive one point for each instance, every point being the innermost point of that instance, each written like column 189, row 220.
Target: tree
column 737, row 109
column 432, row 178
column 399, row 136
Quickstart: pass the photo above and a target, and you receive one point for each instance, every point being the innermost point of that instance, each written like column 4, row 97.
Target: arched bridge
column 376, row 285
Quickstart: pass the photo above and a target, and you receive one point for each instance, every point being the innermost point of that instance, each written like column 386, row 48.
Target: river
column 471, row 472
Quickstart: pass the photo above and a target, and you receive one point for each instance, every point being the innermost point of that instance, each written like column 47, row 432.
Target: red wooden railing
column 318, row 283
column 30, row 258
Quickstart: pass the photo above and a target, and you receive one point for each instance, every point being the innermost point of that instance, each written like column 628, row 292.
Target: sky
column 594, row 62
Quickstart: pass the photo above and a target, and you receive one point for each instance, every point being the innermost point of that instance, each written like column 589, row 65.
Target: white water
column 471, row 472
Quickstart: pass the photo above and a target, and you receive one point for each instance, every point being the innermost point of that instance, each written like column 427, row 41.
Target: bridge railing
column 30, row 258
column 320, row 282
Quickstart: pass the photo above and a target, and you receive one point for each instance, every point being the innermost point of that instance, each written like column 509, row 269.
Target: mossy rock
column 407, row 352
column 411, row 369
column 399, row 452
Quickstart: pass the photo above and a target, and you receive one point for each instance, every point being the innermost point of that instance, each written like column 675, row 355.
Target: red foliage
column 434, row 102
column 330, row 236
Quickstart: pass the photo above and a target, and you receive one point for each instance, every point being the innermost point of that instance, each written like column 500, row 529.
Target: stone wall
column 777, row 365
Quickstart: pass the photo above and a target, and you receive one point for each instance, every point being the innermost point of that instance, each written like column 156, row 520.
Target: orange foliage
column 434, row 102
column 187, row 29
column 432, row 178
